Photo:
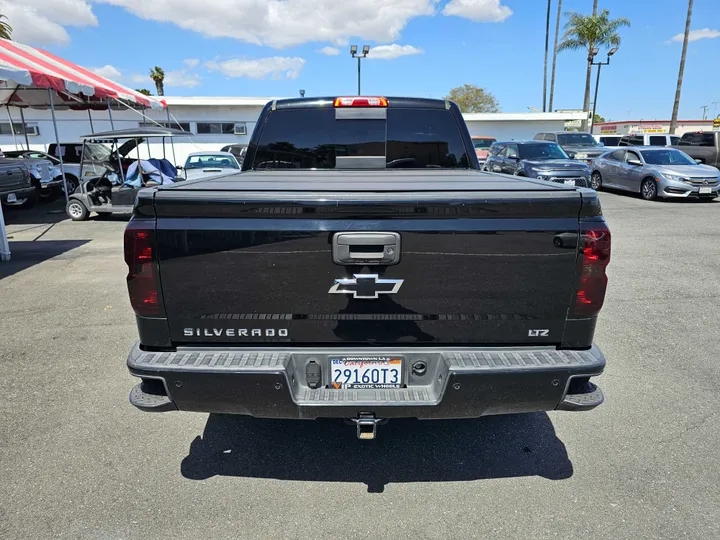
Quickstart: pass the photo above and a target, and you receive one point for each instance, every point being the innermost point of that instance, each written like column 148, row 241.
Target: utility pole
column 676, row 104
column 705, row 108
column 547, row 38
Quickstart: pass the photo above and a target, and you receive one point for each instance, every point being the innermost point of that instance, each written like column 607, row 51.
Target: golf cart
column 114, row 179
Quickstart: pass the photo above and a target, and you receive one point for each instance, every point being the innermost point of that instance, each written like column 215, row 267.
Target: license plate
column 569, row 182
column 12, row 198
column 366, row 372
column 704, row 190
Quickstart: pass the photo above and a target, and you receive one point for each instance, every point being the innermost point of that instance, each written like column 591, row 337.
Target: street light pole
column 354, row 53
column 597, row 81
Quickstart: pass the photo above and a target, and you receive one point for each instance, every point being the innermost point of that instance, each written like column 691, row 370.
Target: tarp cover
column 160, row 171
column 25, row 71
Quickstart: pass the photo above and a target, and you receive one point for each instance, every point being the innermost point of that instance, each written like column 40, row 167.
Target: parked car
column 16, row 184
column 537, row 159
column 702, row 145
column 577, row 145
column 649, row 139
column 379, row 248
column 45, row 169
column 95, row 156
column 655, row 171
column 482, row 144
column 205, row 164
column 237, row 150
column 608, row 140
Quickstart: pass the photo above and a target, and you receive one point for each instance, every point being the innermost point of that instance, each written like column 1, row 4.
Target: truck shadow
column 404, row 451
column 25, row 254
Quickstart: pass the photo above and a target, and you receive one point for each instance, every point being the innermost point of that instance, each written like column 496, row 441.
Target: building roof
column 238, row 101
column 652, row 122
column 217, row 101
column 514, row 117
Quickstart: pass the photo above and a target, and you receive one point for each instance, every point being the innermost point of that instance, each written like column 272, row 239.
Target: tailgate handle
column 366, row 248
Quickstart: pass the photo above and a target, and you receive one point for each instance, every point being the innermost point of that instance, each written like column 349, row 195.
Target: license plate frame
column 705, row 190
column 380, row 372
column 11, row 198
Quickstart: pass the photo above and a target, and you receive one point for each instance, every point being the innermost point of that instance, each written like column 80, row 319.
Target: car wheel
column 596, row 181
column 648, row 189
column 72, row 183
column 76, row 210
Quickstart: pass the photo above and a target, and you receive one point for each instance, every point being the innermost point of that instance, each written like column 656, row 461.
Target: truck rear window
column 412, row 138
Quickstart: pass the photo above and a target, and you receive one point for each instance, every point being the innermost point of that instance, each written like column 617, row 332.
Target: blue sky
column 270, row 48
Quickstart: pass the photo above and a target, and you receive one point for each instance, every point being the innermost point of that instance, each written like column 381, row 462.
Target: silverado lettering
column 502, row 277
column 235, row 332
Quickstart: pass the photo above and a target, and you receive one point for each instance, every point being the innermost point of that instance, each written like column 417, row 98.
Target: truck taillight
column 361, row 101
column 595, row 253
column 141, row 278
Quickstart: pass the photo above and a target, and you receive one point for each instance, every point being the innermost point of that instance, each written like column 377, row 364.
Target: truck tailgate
column 252, row 260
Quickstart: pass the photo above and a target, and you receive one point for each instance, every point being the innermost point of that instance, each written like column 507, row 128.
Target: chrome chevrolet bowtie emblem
column 365, row 286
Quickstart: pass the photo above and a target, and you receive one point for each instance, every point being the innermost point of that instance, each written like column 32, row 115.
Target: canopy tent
column 31, row 77
column 25, row 71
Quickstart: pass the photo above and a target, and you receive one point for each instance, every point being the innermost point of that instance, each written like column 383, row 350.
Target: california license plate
column 705, row 190
column 11, row 198
column 569, row 182
column 366, row 372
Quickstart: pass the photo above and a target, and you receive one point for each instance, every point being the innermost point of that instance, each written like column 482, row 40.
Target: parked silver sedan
column 206, row 164
column 655, row 171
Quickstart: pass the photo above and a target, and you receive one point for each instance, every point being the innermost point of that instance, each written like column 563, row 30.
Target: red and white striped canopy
column 24, row 70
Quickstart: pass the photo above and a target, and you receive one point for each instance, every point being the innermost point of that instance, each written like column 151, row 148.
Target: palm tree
column 588, row 32
column 554, row 58
column 5, row 28
column 158, row 75
column 676, row 105
column 547, row 36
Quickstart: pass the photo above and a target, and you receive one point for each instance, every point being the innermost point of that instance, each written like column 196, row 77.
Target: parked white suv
column 649, row 139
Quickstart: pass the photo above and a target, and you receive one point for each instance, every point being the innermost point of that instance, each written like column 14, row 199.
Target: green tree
column 598, row 119
column 158, row 76
column 473, row 99
column 678, row 89
column 5, row 28
column 144, row 91
column 589, row 32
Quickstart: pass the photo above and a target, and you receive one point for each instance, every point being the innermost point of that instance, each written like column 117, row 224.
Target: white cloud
column 277, row 67
column 285, row 23
column 330, row 51
column 179, row 78
column 42, row 22
column 182, row 78
column 478, row 10
column 695, row 35
column 388, row 52
column 191, row 62
column 107, row 71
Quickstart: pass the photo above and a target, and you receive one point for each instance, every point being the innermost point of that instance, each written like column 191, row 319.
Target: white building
column 628, row 127
column 218, row 121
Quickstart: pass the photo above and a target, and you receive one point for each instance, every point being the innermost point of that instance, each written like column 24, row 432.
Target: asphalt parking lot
column 78, row 461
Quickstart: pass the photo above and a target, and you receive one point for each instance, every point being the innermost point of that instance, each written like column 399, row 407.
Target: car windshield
column 667, row 157
column 576, row 139
column 542, row 151
column 96, row 152
column 483, row 143
column 210, row 160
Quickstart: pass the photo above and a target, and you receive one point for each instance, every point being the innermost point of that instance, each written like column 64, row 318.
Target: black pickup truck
column 360, row 266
